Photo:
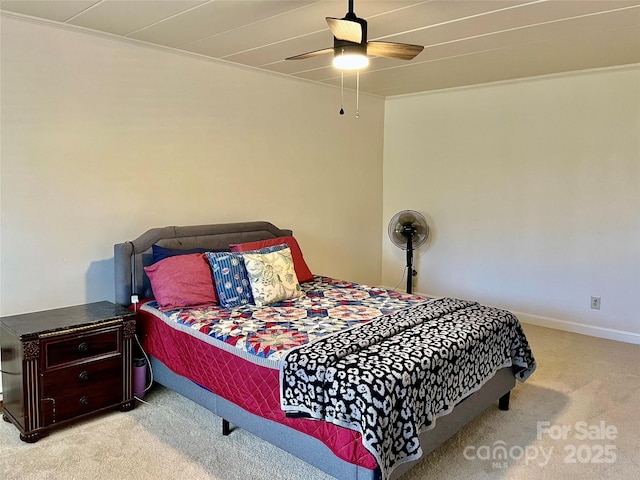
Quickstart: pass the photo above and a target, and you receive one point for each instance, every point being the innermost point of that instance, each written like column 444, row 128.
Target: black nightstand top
column 48, row 321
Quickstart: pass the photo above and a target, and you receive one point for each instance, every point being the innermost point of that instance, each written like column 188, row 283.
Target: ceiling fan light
column 350, row 61
column 353, row 58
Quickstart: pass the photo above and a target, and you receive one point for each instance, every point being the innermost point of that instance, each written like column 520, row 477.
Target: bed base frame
column 130, row 258
column 312, row 450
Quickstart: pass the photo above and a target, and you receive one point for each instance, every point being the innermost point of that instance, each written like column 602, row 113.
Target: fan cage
column 397, row 229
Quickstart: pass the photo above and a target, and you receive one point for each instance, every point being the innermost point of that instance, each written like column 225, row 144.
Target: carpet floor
column 575, row 418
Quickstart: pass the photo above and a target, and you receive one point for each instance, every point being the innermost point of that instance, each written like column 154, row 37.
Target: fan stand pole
column 410, row 271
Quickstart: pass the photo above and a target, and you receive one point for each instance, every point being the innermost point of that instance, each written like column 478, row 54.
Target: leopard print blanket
column 392, row 377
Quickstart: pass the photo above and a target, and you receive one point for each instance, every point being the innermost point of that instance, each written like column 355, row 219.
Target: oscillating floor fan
column 409, row 230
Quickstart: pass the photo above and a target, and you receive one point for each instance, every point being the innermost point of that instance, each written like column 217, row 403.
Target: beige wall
column 532, row 187
column 103, row 139
column 533, row 192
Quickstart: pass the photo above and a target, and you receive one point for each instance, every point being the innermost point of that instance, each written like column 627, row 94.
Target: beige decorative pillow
column 272, row 276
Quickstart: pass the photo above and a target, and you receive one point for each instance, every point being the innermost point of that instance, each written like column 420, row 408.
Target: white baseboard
column 556, row 324
column 600, row 332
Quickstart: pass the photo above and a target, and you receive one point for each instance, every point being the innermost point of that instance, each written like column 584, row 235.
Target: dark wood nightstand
column 62, row 365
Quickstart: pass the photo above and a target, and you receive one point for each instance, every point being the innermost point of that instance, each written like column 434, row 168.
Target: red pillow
column 300, row 266
column 182, row 281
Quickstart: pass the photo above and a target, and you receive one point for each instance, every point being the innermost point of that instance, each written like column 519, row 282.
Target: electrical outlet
column 595, row 303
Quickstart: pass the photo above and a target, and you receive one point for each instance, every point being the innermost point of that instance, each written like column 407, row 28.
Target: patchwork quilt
column 392, row 377
column 263, row 335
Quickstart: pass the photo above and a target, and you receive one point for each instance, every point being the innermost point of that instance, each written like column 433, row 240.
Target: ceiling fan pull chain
column 341, row 93
column 357, row 93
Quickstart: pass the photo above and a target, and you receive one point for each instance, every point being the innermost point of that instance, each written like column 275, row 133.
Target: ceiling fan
column 350, row 47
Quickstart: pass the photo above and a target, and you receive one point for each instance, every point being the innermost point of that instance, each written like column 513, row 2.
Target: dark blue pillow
column 160, row 253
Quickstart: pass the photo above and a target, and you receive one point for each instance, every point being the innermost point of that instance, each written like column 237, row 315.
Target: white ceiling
column 466, row 41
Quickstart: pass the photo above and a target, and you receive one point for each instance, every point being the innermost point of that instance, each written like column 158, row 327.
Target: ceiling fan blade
column 346, row 30
column 403, row 51
column 302, row 56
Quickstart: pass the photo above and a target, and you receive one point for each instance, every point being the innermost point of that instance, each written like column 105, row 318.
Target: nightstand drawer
column 74, row 348
column 81, row 389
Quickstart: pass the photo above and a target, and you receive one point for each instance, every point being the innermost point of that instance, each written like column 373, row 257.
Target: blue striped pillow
column 230, row 278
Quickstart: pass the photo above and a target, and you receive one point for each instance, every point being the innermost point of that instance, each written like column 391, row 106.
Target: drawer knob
column 84, row 376
column 83, row 347
column 84, row 401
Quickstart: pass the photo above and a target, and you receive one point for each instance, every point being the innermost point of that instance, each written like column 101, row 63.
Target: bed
column 287, row 373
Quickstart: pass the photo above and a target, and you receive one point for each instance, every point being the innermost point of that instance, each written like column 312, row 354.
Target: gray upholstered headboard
column 131, row 257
